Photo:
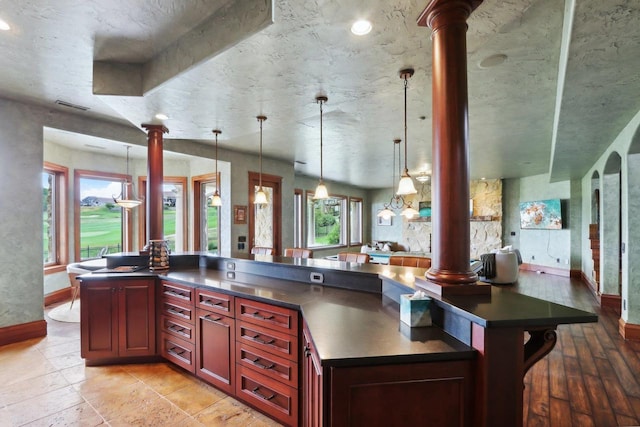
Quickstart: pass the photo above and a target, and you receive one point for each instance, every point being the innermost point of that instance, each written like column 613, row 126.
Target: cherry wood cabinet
column 267, row 356
column 176, row 324
column 117, row 318
column 312, row 406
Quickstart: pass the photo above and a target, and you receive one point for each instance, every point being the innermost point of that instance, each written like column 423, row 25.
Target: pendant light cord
column 321, row 101
column 261, row 119
column 216, row 132
column 405, row 123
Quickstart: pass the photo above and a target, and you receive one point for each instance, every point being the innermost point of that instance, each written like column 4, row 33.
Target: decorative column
column 450, row 265
column 155, row 178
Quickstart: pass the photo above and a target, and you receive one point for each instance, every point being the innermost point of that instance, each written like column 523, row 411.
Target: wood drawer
column 214, row 301
column 270, row 365
column 178, row 351
column 269, row 340
column 174, row 291
column 268, row 395
column 267, row 315
column 178, row 328
column 177, row 310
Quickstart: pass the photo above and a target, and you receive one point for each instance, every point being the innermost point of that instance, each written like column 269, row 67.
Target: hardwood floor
column 591, row 378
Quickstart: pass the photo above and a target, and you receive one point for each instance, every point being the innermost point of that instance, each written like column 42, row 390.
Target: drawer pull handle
column 257, row 339
column 256, row 362
column 307, row 351
column 216, row 320
column 177, row 312
column 211, row 303
column 176, row 294
column 260, row 395
column 175, row 352
column 178, row 330
column 257, row 315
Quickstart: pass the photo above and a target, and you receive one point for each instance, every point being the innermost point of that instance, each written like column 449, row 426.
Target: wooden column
column 450, row 185
column 155, row 175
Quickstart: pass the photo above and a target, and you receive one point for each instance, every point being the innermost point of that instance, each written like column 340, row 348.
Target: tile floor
column 45, row 383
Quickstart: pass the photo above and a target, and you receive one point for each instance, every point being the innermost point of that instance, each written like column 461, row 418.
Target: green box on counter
column 415, row 312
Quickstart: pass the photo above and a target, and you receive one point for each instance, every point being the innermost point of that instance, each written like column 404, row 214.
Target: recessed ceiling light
column 161, row 116
column 361, row 27
column 4, row 26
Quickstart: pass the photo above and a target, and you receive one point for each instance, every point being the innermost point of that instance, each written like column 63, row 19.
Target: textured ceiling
column 218, row 64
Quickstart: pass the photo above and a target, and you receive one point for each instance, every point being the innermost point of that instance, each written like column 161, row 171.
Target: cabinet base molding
column 629, row 331
column 23, row 332
column 123, row 360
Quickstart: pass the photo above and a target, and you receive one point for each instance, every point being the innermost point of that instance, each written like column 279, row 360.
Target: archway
column 610, row 255
column 631, row 238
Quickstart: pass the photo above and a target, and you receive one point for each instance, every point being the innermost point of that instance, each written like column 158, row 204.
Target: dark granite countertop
column 348, row 327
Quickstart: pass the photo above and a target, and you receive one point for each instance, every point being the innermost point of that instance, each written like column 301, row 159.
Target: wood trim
column 197, row 182
column 23, row 332
column 274, row 182
column 57, row 296
column 593, row 287
column 629, row 331
column 54, row 269
column 545, row 269
column 611, row 301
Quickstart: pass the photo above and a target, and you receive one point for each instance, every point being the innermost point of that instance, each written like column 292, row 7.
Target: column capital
column 154, row 128
column 439, row 12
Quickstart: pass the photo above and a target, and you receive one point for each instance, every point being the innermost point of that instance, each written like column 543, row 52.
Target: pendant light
column 216, row 200
column 260, row 197
column 396, row 201
column 127, row 198
column 321, row 189
column 405, row 186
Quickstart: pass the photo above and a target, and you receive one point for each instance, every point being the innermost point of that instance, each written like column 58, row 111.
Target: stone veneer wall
column 486, row 226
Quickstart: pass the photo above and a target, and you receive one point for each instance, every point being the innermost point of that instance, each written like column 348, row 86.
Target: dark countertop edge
column 399, row 359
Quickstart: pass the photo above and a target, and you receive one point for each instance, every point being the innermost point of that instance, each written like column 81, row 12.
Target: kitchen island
column 319, row 342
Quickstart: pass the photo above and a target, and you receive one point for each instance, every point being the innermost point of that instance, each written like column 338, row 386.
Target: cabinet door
column 137, row 326
column 312, row 384
column 215, row 349
column 99, row 320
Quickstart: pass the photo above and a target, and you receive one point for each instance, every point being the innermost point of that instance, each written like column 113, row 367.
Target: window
column 54, row 217
column 174, row 214
column 297, row 218
column 326, row 221
column 355, row 221
column 101, row 225
column 206, row 217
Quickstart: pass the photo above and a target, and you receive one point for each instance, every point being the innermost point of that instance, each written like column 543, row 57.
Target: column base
column 451, row 289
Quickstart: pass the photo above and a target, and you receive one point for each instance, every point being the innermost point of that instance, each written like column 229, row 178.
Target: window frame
column 197, row 182
column 142, row 210
column 127, row 221
column 344, row 220
column 61, row 216
column 298, row 218
column 360, row 221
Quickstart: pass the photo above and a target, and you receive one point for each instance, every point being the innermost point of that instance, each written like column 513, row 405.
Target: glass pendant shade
column 321, row 192
column 261, row 197
column 216, row 200
column 386, row 213
column 405, row 186
column 409, row 212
